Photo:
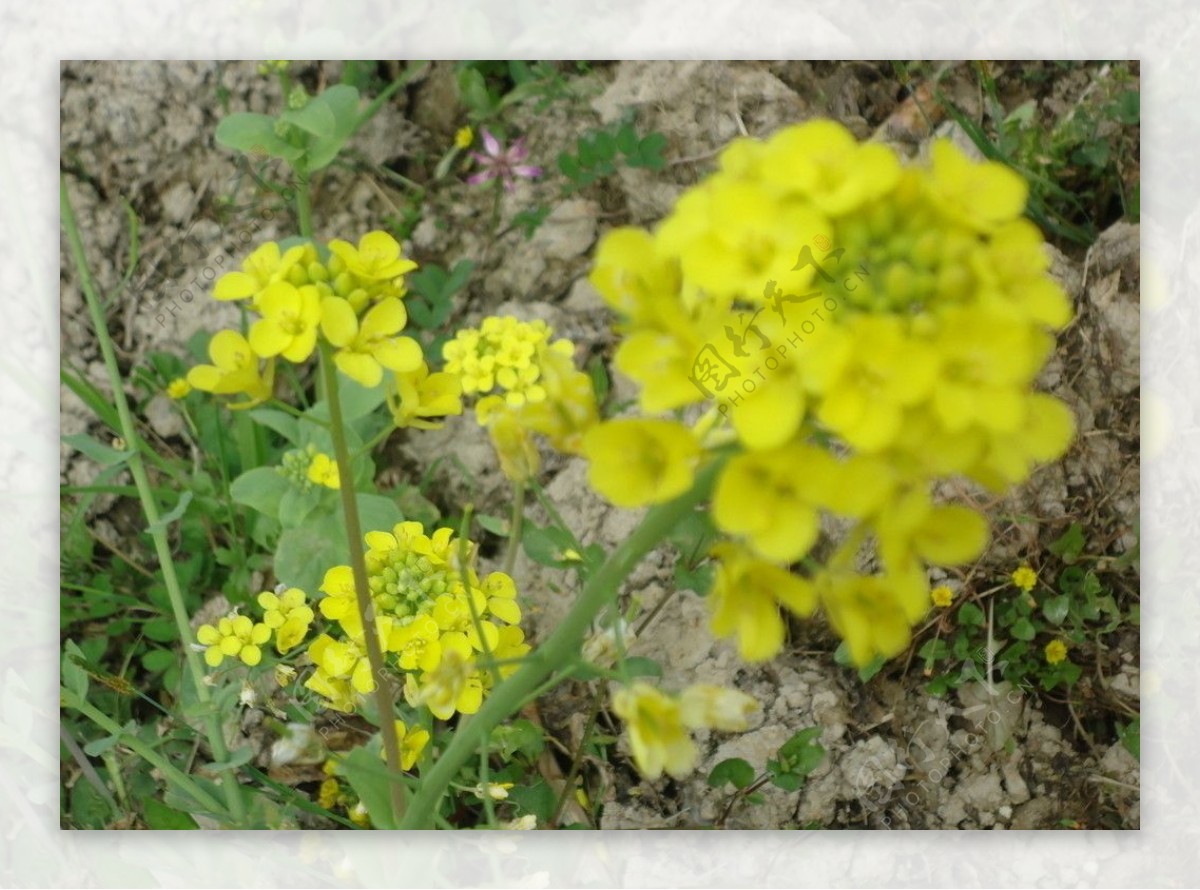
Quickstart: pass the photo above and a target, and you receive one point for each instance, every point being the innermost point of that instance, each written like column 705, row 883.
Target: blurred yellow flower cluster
column 858, row 328
column 526, row 384
column 448, row 633
column 659, row 724
column 306, row 467
column 352, row 295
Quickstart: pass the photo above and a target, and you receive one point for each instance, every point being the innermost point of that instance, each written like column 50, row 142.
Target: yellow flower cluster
column 526, row 384
column 307, row 467
column 448, row 633
column 353, row 299
column 286, row 615
column 859, row 328
column 659, row 723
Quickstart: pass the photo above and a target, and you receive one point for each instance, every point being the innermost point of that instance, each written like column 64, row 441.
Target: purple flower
column 502, row 164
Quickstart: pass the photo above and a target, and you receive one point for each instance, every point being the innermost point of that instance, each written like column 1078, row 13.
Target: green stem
column 303, row 203
column 172, row 775
column 558, row 649
column 212, row 723
column 385, row 696
column 514, row 527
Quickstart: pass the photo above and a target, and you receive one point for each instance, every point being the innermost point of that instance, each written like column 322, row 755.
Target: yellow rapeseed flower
column 234, row 371
column 378, row 257
column 235, row 636
column 288, row 615
column 634, row 462
column 368, row 346
column 265, row 266
column 289, row 323
column 746, row 598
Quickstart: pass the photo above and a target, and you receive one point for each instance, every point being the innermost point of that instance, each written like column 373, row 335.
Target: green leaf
column 161, row 630
column 605, row 146
column 494, row 524
column 1055, row 609
column 733, row 770
column 868, row 671
column 473, row 91
column 1131, row 737
column 378, row 513
column 173, row 515
column 650, row 152
column 161, row 817
column 284, row 424
column 261, row 489
column 627, row 140
column 89, row 808
column 72, row 675
column 102, row 454
column 304, row 554
column 297, row 504
column 970, row 615
column 255, row 134
column 538, row 799
column 639, row 666
column 586, row 151
column 569, row 166
column 1127, row 108
column 158, row 660
column 1071, row 544
column 698, row 579
column 518, row 737
column 545, row 546
column 96, row 747
column 316, row 118
column 364, row 769
column 1024, row 630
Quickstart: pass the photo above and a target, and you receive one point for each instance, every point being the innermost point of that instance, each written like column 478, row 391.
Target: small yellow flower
column 289, row 323
column 746, row 597
column 323, row 470
column 454, row 685
column 1025, row 578
column 284, row 674
column 235, row 636
column 421, row 399
column 378, row 257
column 234, row 370
column 178, row 388
column 464, row 137
column 366, row 347
column 1056, row 652
column 942, row 596
column 411, row 744
column 263, row 267
column 286, row 614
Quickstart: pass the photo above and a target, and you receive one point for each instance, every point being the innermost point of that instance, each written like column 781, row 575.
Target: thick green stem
column 514, row 527
column 559, row 649
column 385, row 696
column 158, row 533
column 303, row 203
